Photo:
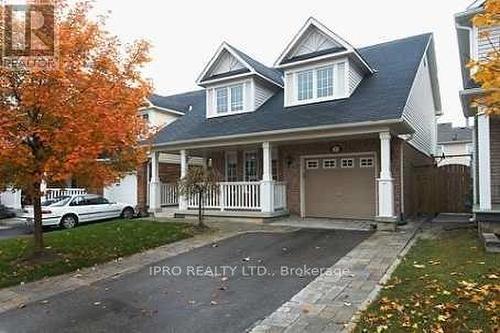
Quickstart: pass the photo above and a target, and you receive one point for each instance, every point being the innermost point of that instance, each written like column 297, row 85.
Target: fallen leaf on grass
column 419, row 266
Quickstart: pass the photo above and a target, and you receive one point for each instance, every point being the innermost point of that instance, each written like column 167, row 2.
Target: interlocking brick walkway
column 330, row 303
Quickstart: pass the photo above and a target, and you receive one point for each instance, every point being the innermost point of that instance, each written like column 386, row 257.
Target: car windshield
column 57, row 202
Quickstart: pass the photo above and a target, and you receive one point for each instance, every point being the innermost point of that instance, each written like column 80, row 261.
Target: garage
column 340, row 187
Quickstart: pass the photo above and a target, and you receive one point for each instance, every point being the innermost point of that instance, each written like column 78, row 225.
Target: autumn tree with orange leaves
column 78, row 119
column 487, row 71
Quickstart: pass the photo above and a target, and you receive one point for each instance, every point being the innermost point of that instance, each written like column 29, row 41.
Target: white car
column 68, row 211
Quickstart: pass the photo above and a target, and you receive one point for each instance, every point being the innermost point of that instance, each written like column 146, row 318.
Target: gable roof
column 381, row 96
column 251, row 65
column 449, row 134
column 337, row 44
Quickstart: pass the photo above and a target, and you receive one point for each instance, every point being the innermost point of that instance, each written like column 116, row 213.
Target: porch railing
column 51, row 193
column 169, row 194
column 279, row 195
column 230, row 196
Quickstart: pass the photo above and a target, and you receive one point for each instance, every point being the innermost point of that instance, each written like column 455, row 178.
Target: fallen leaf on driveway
column 213, row 303
column 246, row 259
column 97, row 303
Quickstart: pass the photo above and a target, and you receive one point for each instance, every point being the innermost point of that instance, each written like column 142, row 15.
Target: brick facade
column 169, row 173
column 289, row 158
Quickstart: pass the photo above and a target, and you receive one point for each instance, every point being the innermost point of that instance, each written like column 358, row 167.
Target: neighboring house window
column 231, row 167
column 250, row 166
column 305, row 85
column 229, row 99
column 329, row 164
column 237, row 98
column 221, row 100
column 324, row 79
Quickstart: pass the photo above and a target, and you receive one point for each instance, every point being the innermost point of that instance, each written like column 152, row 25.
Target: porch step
column 491, row 242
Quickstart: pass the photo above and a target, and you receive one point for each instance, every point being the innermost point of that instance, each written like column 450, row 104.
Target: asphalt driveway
column 225, row 287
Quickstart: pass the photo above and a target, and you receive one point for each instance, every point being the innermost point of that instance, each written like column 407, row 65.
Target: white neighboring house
column 158, row 113
column 454, row 145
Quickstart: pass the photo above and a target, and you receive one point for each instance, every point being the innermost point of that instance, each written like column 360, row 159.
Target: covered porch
column 248, row 186
column 274, row 178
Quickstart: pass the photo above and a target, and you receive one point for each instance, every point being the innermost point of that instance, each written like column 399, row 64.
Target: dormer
column 235, row 83
column 320, row 66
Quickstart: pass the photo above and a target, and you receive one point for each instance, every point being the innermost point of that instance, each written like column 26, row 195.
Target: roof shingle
column 381, row 96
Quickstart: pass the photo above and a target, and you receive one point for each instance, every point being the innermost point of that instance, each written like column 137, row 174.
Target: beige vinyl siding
column 355, row 78
column 420, row 111
column 485, row 43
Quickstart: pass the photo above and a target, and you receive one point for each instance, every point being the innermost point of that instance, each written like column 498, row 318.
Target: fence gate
column 442, row 190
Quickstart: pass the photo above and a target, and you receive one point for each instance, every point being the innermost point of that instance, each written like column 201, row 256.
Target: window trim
column 293, row 91
column 248, row 86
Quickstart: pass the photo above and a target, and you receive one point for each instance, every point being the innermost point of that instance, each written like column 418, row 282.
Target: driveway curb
column 331, row 303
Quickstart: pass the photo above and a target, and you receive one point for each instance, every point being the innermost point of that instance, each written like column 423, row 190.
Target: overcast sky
column 186, row 33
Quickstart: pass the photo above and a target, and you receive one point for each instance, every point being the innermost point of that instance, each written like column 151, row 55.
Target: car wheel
column 128, row 213
column 69, row 221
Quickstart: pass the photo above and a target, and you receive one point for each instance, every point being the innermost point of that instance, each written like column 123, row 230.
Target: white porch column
column 483, row 139
column 154, row 185
column 183, row 203
column 267, row 184
column 385, row 181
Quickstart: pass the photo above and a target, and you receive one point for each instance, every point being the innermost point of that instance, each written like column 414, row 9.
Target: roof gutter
column 297, row 131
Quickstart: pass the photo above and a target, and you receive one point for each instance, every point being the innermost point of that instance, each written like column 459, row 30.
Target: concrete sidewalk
column 329, row 303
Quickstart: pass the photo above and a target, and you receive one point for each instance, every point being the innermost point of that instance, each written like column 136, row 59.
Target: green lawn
column 84, row 246
column 447, row 284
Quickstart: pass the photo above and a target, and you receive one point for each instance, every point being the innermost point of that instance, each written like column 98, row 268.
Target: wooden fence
column 446, row 189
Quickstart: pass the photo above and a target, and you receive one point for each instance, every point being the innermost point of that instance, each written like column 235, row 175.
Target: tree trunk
column 37, row 211
column 200, row 210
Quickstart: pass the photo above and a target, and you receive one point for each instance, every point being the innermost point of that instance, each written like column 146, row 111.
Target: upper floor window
column 221, row 100
column 305, row 85
column 321, row 82
column 229, row 99
column 324, row 77
column 315, row 83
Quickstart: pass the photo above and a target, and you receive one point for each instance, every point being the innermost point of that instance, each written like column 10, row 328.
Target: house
column 329, row 131
column 474, row 45
column 158, row 112
column 454, row 145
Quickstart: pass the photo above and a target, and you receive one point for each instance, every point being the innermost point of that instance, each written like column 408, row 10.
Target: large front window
column 229, row 99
